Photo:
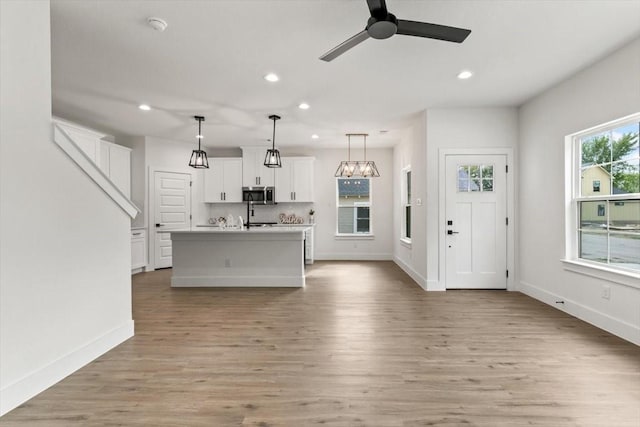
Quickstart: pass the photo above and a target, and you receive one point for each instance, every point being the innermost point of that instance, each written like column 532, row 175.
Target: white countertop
column 228, row 230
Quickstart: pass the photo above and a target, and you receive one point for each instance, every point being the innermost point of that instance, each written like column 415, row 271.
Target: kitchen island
column 257, row 257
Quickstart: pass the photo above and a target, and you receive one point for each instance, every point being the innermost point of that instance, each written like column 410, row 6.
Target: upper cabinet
column 294, row 181
column 223, row 180
column 115, row 162
column 88, row 140
column 254, row 172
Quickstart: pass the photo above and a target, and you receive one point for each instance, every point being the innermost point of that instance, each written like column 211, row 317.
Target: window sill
column 610, row 274
column 406, row 243
column 354, row 237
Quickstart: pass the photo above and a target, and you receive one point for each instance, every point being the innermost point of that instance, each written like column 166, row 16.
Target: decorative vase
column 311, row 219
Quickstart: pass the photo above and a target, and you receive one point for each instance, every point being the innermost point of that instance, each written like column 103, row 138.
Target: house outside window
column 405, row 233
column 354, row 206
column 604, row 219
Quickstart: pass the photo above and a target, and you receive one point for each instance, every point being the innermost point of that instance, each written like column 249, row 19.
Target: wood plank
column 360, row 345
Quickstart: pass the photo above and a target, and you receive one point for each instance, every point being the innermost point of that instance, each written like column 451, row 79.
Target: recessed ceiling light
column 465, row 74
column 144, row 107
column 315, row 136
column 271, row 77
column 303, row 106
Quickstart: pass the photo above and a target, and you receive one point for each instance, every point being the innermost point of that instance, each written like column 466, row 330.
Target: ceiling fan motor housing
column 383, row 27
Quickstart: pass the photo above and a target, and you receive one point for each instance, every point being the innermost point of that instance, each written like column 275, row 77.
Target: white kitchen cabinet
column 138, row 250
column 294, row 181
column 223, row 180
column 254, row 172
column 308, row 245
column 115, row 162
column 112, row 159
column 88, row 140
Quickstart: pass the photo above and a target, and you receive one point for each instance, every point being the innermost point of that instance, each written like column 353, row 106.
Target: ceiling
column 211, row 60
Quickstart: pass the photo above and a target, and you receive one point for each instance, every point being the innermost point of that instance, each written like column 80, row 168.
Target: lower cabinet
column 308, row 246
column 138, row 250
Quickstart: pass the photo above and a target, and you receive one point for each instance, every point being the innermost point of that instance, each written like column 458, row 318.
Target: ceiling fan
column 382, row 25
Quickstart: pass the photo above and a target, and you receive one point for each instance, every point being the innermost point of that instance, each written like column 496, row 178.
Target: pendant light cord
column 199, row 133
column 273, row 140
column 365, row 147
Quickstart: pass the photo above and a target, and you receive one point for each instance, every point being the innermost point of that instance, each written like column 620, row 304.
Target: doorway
column 171, row 204
column 475, row 222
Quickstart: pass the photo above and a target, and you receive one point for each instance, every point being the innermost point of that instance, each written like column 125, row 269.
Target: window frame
column 355, row 235
column 405, row 202
column 573, row 200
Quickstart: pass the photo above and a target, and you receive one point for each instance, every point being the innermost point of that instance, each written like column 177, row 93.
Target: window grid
column 607, row 195
column 353, row 206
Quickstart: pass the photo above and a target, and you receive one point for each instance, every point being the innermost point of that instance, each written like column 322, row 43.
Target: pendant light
column 199, row 157
column 368, row 167
column 347, row 168
column 272, row 159
column 365, row 168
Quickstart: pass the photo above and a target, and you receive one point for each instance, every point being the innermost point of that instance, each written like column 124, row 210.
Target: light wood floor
column 361, row 345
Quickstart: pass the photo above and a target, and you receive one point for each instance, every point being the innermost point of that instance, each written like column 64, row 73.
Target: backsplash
column 263, row 213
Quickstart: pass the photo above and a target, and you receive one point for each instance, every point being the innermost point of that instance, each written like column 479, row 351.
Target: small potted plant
column 311, row 213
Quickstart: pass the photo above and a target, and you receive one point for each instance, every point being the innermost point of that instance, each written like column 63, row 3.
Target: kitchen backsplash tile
column 263, row 213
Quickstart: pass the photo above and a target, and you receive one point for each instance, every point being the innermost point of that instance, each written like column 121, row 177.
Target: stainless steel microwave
column 259, row 195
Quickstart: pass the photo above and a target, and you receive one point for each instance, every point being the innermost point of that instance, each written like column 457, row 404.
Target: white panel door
column 476, row 216
column 172, row 210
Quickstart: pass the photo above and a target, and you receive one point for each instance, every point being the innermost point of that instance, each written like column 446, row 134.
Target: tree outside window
column 608, row 199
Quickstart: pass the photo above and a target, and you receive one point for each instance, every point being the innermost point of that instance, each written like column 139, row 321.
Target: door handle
column 159, row 225
column 452, row 232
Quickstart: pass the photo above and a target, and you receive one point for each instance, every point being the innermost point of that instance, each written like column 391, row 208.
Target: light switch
column 419, row 202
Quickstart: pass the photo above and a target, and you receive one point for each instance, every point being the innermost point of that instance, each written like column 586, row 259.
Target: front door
column 476, row 222
column 172, row 210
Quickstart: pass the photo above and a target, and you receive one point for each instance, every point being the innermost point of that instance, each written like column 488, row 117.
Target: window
column 354, row 206
column 406, row 205
column 606, row 196
column 473, row 178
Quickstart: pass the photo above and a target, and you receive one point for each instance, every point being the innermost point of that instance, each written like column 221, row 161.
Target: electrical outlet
column 606, row 291
column 227, row 263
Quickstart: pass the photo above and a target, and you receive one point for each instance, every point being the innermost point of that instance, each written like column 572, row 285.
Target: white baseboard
column 41, row 379
column 352, row 256
column 601, row 320
column 417, row 277
column 435, row 286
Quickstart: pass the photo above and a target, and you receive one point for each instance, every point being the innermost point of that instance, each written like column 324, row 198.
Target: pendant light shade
column 351, row 168
column 272, row 159
column 199, row 157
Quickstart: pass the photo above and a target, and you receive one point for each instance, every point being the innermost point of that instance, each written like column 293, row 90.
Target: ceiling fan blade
column 345, row 46
column 432, row 31
column 378, row 8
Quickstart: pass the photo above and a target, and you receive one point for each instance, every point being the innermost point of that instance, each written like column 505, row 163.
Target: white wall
column 412, row 151
column 459, row 128
column 327, row 245
column 138, row 190
column 430, row 132
column 607, row 90
column 65, row 284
